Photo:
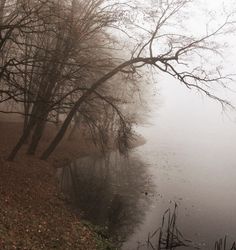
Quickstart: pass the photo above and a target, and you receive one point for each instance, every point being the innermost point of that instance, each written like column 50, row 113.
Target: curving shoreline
column 33, row 213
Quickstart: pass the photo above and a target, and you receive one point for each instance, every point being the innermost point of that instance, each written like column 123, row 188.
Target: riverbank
column 33, row 214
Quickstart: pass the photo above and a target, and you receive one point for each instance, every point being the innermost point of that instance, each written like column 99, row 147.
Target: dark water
column 111, row 191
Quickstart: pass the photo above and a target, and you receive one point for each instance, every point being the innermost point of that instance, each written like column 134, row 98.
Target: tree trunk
column 26, row 133
column 37, row 135
column 21, row 141
column 59, row 135
column 76, row 106
column 26, row 120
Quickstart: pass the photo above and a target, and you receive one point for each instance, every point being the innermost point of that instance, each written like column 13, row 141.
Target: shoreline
column 33, row 213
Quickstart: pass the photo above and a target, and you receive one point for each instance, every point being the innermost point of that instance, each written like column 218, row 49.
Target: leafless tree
column 172, row 59
column 73, row 60
column 67, row 62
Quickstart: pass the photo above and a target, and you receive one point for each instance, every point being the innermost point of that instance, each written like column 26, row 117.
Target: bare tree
column 172, row 60
column 69, row 62
column 88, row 61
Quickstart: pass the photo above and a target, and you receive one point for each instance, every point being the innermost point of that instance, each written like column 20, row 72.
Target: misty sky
column 181, row 107
column 191, row 148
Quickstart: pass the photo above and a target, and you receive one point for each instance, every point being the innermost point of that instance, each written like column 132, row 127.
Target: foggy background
column 191, row 151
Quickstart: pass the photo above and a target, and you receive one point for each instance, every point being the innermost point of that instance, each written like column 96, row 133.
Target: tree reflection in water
column 109, row 190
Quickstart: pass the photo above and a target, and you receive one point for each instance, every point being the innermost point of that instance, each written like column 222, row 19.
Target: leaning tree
column 166, row 47
column 78, row 56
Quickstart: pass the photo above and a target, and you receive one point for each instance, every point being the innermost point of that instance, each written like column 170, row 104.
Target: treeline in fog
column 92, row 63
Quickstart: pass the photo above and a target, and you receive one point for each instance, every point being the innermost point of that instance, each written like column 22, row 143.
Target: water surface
column 189, row 159
column 190, row 152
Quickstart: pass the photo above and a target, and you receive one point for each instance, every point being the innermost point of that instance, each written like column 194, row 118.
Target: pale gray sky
column 182, row 107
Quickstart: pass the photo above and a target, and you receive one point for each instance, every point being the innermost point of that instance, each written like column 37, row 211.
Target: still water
column 190, row 152
column 189, row 158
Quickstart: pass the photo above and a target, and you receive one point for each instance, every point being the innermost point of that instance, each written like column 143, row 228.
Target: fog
column 91, row 89
column 191, row 153
column 190, row 149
